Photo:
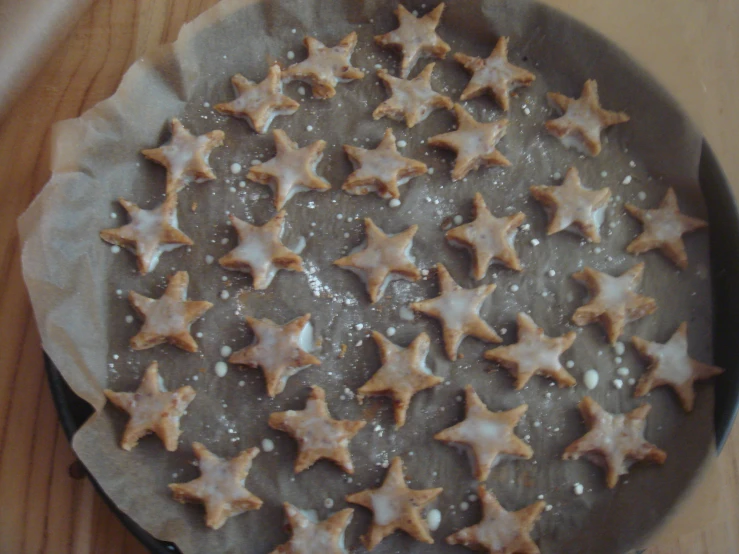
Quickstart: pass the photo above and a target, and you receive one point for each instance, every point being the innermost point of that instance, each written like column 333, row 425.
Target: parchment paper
column 79, row 288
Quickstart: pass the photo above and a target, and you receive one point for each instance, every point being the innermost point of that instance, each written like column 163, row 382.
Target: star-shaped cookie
column 259, row 103
column 220, row 487
column 168, row 318
column 415, row 37
column 489, row 238
column 412, row 100
column 280, row 351
column 260, row 251
column 381, row 170
column 152, row 410
column 474, row 142
column 458, row 310
column 487, row 434
column 310, row 536
column 325, row 67
column 185, row 156
column 149, row 233
column 583, row 120
column 403, row 373
column 573, row 207
column 494, row 75
column 318, row 435
column 292, row 170
column 613, row 300
column 663, row 229
column 670, row 364
column 613, row 439
column 383, row 259
column 395, row 507
column 534, row 354
column 500, row 531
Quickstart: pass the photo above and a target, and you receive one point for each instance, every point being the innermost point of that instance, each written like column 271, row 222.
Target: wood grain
column 690, row 45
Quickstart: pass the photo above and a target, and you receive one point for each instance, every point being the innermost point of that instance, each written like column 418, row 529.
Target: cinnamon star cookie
column 487, row 434
column 310, row 536
column 613, row 439
column 152, row 409
column 395, row 507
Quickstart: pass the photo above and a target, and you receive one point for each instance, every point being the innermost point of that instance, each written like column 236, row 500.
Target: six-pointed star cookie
column 259, row 103
column 494, row 74
column 185, row 156
column 325, row 67
column 488, row 237
column 168, row 318
column 383, row 259
column 220, row 487
column 458, row 310
column 292, row 170
column 572, row 206
column 500, row 531
column 260, row 251
column 310, row 536
column 583, row 119
column 149, row 233
column 318, row 435
column 474, row 142
column 415, row 37
column 403, row 373
column 280, row 351
column 413, row 99
column 670, row 364
column 613, row 301
column 381, row 170
column 534, row 354
column 612, row 439
column 152, row 409
column 395, row 507
column 663, row 229
column 488, row 434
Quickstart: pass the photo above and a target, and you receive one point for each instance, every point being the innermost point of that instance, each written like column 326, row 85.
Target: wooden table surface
column 691, row 46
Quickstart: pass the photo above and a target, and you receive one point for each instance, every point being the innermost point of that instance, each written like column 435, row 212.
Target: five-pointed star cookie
column 488, row 434
column 220, row 487
column 583, row 119
column 317, row 433
column 152, row 410
column 325, row 67
column 381, row 170
column 500, row 531
column 403, row 373
column 488, row 238
column 613, row 301
column 280, row 351
column 415, row 37
column 259, row 103
column 395, row 507
column 474, row 142
column 292, row 170
column 149, row 233
column 494, row 75
column 185, row 156
column 613, row 439
column 412, row 100
column 310, row 536
column 168, row 318
column 670, row 364
column 572, row 206
column 458, row 310
column 260, row 251
column 383, row 259
column 663, row 229
column 534, row 354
